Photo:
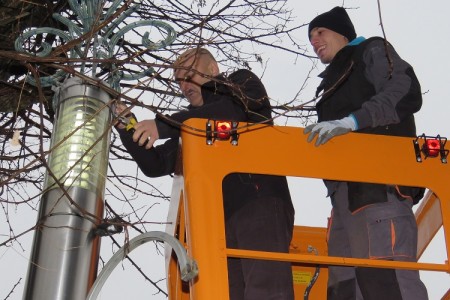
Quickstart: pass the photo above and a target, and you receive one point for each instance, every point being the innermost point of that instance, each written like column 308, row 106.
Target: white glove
column 328, row 129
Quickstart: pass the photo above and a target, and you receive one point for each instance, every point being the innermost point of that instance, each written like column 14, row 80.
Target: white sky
column 419, row 31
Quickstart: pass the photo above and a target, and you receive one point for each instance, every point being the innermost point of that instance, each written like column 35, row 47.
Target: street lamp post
column 64, row 258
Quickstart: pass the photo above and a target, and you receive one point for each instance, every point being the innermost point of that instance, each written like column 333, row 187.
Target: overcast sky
column 419, row 31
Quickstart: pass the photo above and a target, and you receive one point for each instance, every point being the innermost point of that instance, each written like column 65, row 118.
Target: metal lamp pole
column 65, row 252
column 64, row 258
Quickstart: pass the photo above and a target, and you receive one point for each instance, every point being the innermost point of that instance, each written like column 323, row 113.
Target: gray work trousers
column 265, row 224
column 386, row 230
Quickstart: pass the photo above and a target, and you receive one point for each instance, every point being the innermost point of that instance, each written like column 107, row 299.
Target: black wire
column 315, row 276
column 311, row 283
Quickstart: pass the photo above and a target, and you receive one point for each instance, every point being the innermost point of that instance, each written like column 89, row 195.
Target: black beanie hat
column 337, row 20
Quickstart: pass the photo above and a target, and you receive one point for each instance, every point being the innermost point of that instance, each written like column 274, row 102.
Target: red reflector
column 432, row 148
column 223, row 129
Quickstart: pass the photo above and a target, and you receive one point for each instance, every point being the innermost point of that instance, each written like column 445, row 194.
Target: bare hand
column 121, row 109
column 146, row 133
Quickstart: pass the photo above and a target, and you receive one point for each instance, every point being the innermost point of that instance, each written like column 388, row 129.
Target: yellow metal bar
column 284, row 151
column 340, row 261
column 205, row 230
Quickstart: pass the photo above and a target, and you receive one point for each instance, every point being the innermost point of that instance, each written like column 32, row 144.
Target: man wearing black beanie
column 367, row 88
column 337, row 20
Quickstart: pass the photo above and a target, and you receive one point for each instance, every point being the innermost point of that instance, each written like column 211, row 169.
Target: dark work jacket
column 358, row 81
column 239, row 97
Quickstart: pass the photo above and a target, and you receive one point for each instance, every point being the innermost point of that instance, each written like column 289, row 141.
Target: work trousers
column 265, row 224
column 385, row 230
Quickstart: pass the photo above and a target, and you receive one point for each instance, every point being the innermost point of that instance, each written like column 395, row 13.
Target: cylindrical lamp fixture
column 64, row 258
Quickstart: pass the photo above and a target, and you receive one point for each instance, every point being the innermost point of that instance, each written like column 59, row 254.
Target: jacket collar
column 354, row 42
column 211, row 88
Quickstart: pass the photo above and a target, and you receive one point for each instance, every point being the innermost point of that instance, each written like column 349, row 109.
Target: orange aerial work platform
column 196, row 211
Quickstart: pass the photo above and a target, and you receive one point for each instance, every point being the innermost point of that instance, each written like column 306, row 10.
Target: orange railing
column 196, row 212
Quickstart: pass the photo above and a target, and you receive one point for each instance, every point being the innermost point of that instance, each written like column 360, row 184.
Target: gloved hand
column 328, row 129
